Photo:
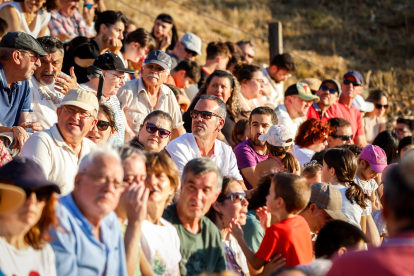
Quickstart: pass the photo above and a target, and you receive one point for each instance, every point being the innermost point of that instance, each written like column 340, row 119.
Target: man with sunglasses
column 342, row 133
column 19, row 58
column 404, row 128
column 187, row 48
column 329, row 92
column 208, row 119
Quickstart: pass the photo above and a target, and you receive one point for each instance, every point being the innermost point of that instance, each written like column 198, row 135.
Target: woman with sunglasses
column 104, row 128
column 375, row 121
column 24, row 232
column 231, row 205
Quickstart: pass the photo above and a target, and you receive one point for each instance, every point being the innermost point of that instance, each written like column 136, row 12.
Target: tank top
column 277, row 159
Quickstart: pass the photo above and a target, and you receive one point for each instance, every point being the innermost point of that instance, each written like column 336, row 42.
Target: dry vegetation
column 374, row 37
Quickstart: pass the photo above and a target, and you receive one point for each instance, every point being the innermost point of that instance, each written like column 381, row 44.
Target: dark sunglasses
column 103, row 125
column 188, row 51
column 379, row 106
column 206, row 115
column 354, row 83
column 343, row 137
column 151, row 128
column 326, row 88
column 42, row 194
column 89, row 6
column 235, row 197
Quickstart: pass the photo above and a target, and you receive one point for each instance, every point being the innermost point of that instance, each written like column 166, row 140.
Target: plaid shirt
column 74, row 26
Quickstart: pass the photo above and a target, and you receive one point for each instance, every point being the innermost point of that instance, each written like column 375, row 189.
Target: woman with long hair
column 375, row 121
column 388, row 141
column 164, row 32
column 251, row 82
column 104, row 128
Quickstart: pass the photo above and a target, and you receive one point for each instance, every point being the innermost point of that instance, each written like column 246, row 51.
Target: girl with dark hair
column 240, row 133
column 374, row 122
column 405, row 145
column 164, row 32
column 388, row 141
column 251, row 82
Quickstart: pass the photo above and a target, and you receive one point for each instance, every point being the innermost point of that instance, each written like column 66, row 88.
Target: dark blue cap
column 358, row 77
column 26, row 174
column 159, row 57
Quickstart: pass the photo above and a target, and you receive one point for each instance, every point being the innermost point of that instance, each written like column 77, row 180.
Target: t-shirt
column 351, row 114
column 377, row 216
column 201, row 252
column 247, row 157
column 315, row 112
column 291, row 238
column 303, row 155
column 118, row 138
column 283, row 118
column 369, row 187
column 351, row 210
column 161, row 247
column 318, row 267
column 26, row 262
column 253, row 231
column 235, row 258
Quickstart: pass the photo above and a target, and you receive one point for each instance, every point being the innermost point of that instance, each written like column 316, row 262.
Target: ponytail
column 355, row 193
column 290, row 163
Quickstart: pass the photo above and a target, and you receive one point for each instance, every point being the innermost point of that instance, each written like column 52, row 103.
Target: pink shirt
column 351, row 114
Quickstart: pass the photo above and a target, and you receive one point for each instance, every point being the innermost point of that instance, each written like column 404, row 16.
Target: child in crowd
column 241, row 132
column 290, row 237
column 312, row 172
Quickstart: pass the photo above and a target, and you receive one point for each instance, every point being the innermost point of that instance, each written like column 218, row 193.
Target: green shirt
column 202, row 252
column 253, row 231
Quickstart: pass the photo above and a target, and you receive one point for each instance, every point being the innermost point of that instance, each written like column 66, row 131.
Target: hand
column 236, row 230
column 264, row 217
column 64, row 83
column 20, row 136
column 273, row 264
column 35, row 127
column 136, row 202
column 115, row 45
column 165, row 43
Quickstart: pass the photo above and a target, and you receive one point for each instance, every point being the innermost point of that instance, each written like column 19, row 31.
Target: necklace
column 28, row 20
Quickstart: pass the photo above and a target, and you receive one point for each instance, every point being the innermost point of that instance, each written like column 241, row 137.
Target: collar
column 162, row 91
column 70, row 204
column 316, row 106
column 216, row 150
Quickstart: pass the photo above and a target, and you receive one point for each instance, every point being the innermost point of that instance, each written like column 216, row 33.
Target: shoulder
column 183, row 139
column 10, row 7
column 132, row 84
column 88, row 143
column 44, row 135
column 209, row 227
column 170, row 212
column 55, row 15
column 226, row 148
column 242, row 147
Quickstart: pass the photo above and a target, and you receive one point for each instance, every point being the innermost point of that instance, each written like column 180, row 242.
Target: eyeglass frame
column 243, row 197
column 354, row 83
column 66, row 107
column 120, row 78
column 31, row 56
column 342, row 137
column 203, row 112
column 327, row 88
column 380, row 106
column 123, row 184
column 107, row 124
column 158, row 130
column 155, row 67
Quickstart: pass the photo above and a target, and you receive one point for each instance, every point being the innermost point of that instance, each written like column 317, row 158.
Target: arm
column 177, row 132
column 360, row 141
column 129, row 134
column 42, row 32
column 146, row 269
column 83, row 62
column 250, row 175
column 372, row 232
column 9, row 14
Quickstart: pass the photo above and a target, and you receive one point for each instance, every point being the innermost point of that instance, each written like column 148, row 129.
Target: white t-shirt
column 233, row 251
column 276, row 89
column 161, row 247
column 352, row 211
column 185, row 148
column 369, row 187
column 303, row 155
column 283, row 118
column 26, row 262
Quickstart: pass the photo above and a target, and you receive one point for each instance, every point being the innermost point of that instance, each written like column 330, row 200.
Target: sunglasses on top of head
column 206, row 115
column 354, row 83
column 162, row 133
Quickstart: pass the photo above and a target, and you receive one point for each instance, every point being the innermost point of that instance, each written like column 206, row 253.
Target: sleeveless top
column 277, row 159
column 42, row 18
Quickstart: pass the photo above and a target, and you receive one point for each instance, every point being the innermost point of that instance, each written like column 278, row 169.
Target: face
column 135, row 53
column 320, row 145
column 326, row 174
column 152, row 141
column 341, row 131
column 367, row 172
column 405, row 149
column 160, row 186
column 279, row 75
column 50, row 67
column 272, row 203
column 69, row 7
column 351, row 91
column 89, row 13
column 259, row 125
column 402, row 130
column 316, row 179
column 245, row 135
column 236, row 210
column 220, row 87
column 197, row 194
column 253, row 87
column 27, row 64
column 317, row 218
column 300, row 106
column 113, row 81
column 248, row 51
column 161, row 28
column 33, row 5
column 326, row 98
column 100, row 137
column 114, row 31
column 205, row 127
column 153, row 74
column 181, row 80
column 75, row 125
column 380, row 111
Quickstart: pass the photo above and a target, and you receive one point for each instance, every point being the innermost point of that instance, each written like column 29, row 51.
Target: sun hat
column 278, row 136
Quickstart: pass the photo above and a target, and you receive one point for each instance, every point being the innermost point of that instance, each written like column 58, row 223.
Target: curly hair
column 310, row 132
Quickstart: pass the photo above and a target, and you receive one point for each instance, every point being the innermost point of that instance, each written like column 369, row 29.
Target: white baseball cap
column 277, row 136
column 192, row 42
column 363, row 105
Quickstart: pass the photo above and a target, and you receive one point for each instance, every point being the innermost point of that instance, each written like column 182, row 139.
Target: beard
column 201, row 130
column 255, row 141
column 47, row 82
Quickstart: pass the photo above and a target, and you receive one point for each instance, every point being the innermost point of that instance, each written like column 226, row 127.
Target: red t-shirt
column 312, row 113
column 291, row 237
column 351, row 114
column 393, row 258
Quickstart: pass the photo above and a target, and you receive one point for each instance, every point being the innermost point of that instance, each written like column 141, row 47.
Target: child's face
column 316, row 179
column 271, row 200
column 367, row 172
column 325, row 174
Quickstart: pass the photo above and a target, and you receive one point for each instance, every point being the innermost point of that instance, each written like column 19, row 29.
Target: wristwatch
column 11, row 129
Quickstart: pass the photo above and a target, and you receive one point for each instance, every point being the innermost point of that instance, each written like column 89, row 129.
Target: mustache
column 199, row 124
column 49, row 74
column 153, row 75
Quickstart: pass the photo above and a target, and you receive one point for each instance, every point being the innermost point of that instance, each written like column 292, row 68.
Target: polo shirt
column 351, row 114
column 283, row 118
column 185, row 148
column 78, row 251
column 315, row 112
column 58, row 161
column 10, row 109
column 136, row 104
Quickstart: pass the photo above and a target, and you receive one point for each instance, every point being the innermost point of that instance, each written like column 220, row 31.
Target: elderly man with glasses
column 141, row 96
column 19, row 58
column 58, row 150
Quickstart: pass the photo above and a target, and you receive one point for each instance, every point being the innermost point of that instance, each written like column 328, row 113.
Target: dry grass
column 374, row 37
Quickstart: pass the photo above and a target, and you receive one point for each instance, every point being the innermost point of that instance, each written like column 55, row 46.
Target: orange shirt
column 291, row 237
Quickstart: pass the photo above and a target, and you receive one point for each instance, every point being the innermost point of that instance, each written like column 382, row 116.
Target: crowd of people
column 122, row 155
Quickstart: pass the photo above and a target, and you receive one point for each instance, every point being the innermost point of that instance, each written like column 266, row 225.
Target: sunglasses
column 151, row 128
column 188, row 51
column 89, row 6
column 235, row 197
column 103, row 125
column 401, row 130
column 206, row 115
column 343, row 137
column 33, row 58
column 42, row 194
column 379, row 106
column 354, row 83
column 326, row 88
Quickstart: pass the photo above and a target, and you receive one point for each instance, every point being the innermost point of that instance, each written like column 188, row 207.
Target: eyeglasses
column 206, row 115
column 261, row 81
column 33, row 58
column 326, row 88
column 154, row 67
column 379, row 106
column 73, row 111
column 235, row 197
column 42, row 194
column 401, row 130
column 103, row 125
column 121, row 78
column 102, row 181
column 354, row 83
column 343, row 137
column 151, row 128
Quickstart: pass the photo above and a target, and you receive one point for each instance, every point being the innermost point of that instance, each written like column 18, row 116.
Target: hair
column 318, row 157
column 160, row 162
column 409, row 140
column 202, row 165
column 167, row 19
column 289, row 161
column 109, row 18
column 376, row 95
column 310, row 132
column 126, row 152
column 293, row 189
column 356, row 150
column 234, row 48
column 236, row 60
column 51, row 44
column 345, row 165
column 335, row 123
column 311, row 169
column 142, row 36
column 6, row 53
column 95, row 154
column 259, row 194
column 388, row 141
column 336, row 234
column 245, row 71
column 239, row 129
column 49, row 5
column 246, row 42
column 216, row 49
column 109, row 114
column 161, row 114
column 222, row 110
column 408, row 122
column 4, row 27
column 264, row 110
column 191, row 68
column 284, row 61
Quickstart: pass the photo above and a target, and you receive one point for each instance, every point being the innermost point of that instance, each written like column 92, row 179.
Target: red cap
column 375, row 156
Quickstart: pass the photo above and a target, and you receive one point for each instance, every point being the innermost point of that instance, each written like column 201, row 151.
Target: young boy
column 184, row 74
column 290, row 237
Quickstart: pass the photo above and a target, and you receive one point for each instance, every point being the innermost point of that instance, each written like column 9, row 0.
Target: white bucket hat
column 277, row 136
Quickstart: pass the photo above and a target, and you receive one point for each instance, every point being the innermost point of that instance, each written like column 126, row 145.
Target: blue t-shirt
column 10, row 109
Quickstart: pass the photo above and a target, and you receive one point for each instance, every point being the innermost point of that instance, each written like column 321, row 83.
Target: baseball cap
column 277, row 136
column 11, row 197
column 313, row 83
column 26, row 174
column 191, row 42
column 362, row 105
column 159, row 57
column 358, row 77
column 22, row 41
column 302, row 90
column 327, row 197
column 82, row 99
column 338, row 85
column 375, row 156
column 110, row 61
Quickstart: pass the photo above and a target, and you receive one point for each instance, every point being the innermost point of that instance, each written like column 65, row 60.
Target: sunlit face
column 100, row 137
column 181, row 79
column 50, row 68
column 74, row 126
column 153, row 74
column 251, row 88
column 160, row 186
column 248, row 51
column 326, row 173
column 317, row 218
column 162, row 28
column 405, row 149
column 27, row 65
column 281, row 75
column 205, row 127
column 69, row 7
column 135, row 53
column 367, row 172
column 113, row 81
column 300, row 106
column 402, row 130
column 320, row 145
column 326, row 98
column 338, row 141
column 351, row 91
column 220, row 87
column 272, row 203
column 152, row 141
column 33, row 5
column 233, row 210
column 380, row 108
column 114, row 31
column 259, row 125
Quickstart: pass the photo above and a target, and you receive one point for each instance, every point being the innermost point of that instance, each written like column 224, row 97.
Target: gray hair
column 246, row 42
column 201, row 166
column 98, row 153
column 127, row 152
column 51, row 44
column 222, row 111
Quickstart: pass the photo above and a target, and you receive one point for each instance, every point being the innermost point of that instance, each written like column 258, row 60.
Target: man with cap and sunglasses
column 19, row 58
column 187, row 48
column 141, row 96
column 329, row 93
column 58, row 150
